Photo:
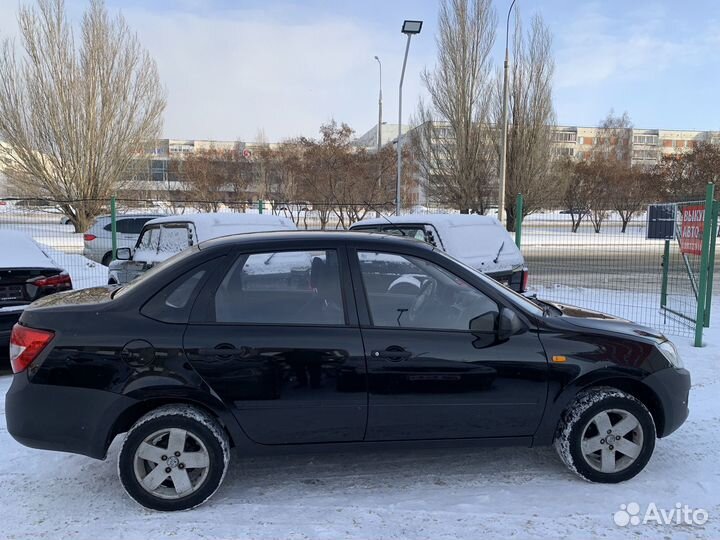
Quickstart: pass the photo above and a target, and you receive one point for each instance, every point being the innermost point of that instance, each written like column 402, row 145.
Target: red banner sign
column 693, row 219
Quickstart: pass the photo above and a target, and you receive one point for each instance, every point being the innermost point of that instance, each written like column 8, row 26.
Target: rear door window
column 287, row 287
column 135, row 225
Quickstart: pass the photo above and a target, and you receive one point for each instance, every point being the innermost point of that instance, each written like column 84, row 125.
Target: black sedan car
column 26, row 274
column 299, row 340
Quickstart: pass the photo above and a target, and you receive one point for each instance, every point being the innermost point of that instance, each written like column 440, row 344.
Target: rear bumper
column 94, row 253
column 672, row 387
column 62, row 418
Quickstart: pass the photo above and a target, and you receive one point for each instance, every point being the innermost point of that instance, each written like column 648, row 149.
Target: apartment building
column 646, row 146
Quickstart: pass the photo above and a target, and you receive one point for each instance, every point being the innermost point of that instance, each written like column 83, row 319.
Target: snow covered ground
column 433, row 494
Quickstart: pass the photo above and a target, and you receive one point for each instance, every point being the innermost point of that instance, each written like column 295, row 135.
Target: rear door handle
column 223, row 350
column 392, row 354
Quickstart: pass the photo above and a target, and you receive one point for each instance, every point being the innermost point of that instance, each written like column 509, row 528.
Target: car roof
column 214, row 225
column 434, row 219
column 304, row 237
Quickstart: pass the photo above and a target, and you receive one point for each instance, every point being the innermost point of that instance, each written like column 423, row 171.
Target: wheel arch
column 635, row 387
column 132, row 414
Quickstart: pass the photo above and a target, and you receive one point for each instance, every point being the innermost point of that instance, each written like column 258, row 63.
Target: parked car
column 228, row 344
column 162, row 238
column 97, row 239
column 480, row 241
column 26, row 274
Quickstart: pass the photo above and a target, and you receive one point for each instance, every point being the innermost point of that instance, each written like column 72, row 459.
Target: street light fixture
column 410, row 28
column 503, row 152
column 379, row 128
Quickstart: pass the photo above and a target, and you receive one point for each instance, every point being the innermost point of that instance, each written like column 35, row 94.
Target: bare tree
column 616, row 186
column 530, row 119
column 575, row 193
column 453, row 144
column 215, row 176
column 76, row 114
column 684, row 177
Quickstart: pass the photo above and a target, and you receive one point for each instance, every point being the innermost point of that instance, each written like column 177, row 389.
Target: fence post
column 711, row 264
column 704, row 257
column 518, row 219
column 113, row 225
column 260, row 206
column 666, row 266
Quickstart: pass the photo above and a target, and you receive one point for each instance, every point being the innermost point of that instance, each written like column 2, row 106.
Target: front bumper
column 672, row 387
column 62, row 418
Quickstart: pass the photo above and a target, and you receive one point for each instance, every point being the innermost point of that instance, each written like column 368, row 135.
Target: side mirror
column 123, row 254
column 509, row 324
column 484, row 323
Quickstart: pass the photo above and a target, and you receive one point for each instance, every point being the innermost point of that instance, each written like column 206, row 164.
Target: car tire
column 165, row 439
column 606, row 435
column 107, row 259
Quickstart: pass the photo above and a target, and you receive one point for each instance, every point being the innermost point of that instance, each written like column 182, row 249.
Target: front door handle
column 392, row 353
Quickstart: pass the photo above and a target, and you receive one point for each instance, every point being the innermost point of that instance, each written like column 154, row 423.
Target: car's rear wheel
column 173, row 458
column 107, row 259
column 606, row 435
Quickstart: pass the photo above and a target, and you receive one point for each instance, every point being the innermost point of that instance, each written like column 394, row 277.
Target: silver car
column 98, row 238
column 164, row 237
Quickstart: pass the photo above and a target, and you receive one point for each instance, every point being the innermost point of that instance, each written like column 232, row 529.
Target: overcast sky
column 234, row 67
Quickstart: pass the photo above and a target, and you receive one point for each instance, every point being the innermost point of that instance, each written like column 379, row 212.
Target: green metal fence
column 616, row 268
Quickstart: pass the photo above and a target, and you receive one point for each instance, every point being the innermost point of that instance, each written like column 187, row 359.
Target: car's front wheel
column 606, row 435
column 173, row 458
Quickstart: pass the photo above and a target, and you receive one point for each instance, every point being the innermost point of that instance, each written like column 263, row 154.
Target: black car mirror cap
column 485, row 323
column 123, row 254
column 509, row 324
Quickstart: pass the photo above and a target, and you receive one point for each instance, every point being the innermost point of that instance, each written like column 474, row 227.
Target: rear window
column 174, row 302
column 128, row 225
column 478, row 240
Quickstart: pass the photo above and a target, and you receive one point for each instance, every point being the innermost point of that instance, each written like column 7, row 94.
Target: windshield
column 515, row 297
column 161, row 266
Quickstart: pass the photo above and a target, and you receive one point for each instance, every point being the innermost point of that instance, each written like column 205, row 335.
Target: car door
column 145, row 252
column 278, row 340
column 437, row 366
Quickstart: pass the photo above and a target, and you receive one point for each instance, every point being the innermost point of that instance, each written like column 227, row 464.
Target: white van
column 161, row 238
column 478, row 241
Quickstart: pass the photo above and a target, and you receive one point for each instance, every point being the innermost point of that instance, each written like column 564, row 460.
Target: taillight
column 25, row 346
column 89, row 237
column 525, row 277
column 60, row 281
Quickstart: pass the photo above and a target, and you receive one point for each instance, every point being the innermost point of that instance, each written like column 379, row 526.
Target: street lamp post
column 409, row 28
column 379, row 128
column 503, row 151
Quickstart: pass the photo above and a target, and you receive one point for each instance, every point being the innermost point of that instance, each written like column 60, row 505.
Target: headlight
column 670, row 352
